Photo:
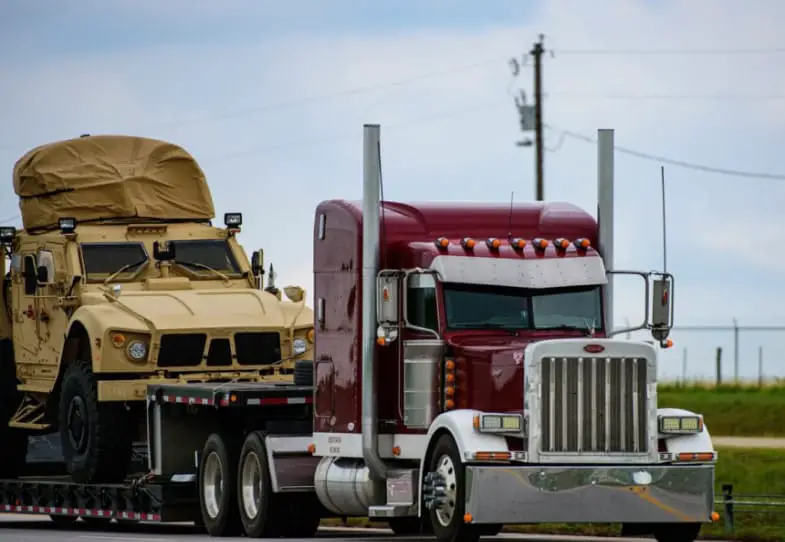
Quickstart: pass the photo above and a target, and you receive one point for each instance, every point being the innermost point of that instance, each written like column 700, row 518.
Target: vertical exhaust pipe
column 371, row 201
column 605, row 215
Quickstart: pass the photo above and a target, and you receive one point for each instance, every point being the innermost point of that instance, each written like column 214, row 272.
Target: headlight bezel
column 499, row 423
column 680, row 430
column 299, row 346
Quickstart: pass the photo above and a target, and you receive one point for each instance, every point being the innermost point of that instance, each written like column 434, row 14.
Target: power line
column 664, row 96
column 755, row 51
column 250, row 110
column 678, row 163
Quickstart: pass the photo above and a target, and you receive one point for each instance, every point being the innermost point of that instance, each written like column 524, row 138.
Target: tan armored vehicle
column 117, row 279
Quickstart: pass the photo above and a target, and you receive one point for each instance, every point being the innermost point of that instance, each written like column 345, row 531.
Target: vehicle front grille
column 257, row 348
column 594, row 405
column 181, row 350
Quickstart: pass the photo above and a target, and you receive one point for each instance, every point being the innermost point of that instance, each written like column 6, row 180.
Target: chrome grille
column 594, row 405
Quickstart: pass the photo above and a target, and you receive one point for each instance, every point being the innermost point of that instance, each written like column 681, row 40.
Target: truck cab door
column 52, row 319
column 24, row 312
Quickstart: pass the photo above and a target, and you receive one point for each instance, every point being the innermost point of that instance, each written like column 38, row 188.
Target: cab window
column 421, row 301
column 213, row 253
column 103, row 259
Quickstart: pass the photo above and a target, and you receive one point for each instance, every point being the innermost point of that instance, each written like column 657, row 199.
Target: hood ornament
column 518, row 357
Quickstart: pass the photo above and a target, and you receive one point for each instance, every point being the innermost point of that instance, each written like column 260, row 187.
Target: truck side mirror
column 387, row 294
column 295, row 294
column 661, row 308
column 43, row 275
column 257, row 262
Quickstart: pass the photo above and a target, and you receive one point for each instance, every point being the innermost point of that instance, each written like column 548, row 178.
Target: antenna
column 509, row 224
column 664, row 227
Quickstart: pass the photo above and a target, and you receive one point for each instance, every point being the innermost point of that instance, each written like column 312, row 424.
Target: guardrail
column 741, row 502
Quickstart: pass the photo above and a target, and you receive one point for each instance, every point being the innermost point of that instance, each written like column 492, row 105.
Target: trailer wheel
column 254, row 490
column 14, row 441
column 447, row 519
column 95, row 436
column 677, row 532
column 217, row 486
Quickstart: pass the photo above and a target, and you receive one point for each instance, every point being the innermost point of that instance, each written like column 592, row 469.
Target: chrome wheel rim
column 446, row 468
column 212, row 485
column 251, row 484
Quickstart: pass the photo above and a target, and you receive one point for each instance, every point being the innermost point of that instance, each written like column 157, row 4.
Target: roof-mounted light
column 442, row 242
column 493, row 243
column 518, row 244
column 561, row 243
column 7, row 235
column 66, row 225
column 468, row 243
column 582, row 243
column 540, row 243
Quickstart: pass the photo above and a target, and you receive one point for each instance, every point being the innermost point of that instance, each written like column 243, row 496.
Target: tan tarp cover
column 104, row 177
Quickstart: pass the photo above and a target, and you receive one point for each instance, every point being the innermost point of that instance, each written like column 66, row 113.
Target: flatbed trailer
column 186, row 423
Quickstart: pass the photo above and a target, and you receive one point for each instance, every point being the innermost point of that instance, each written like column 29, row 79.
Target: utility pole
column 536, row 53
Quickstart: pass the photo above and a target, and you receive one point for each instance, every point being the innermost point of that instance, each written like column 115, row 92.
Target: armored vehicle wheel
column 14, row 441
column 677, row 532
column 303, row 372
column 218, row 486
column 95, row 437
column 447, row 517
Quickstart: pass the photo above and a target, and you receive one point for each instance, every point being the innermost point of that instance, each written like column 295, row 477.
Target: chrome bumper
column 590, row 494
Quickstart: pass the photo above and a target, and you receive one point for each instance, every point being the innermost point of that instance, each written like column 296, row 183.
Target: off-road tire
column 223, row 449
column 303, row 372
column 14, row 441
column 677, row 532
column 455, row 530
column 101, row 452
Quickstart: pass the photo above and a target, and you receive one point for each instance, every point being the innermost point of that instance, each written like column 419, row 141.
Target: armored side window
column 421, row 301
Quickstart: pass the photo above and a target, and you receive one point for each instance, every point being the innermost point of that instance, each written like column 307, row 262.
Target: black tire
column 677, row 532
column 254, row 489
column 450, row 527
column 303, row 372
column 95, row 437
column 218, row 466
column 14, row 441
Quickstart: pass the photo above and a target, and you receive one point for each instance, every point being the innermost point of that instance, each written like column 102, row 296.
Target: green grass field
column 743, row 410
column 752, row 472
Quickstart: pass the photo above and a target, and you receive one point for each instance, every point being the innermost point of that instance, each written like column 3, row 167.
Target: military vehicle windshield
column 493, row 307
column 197, row 256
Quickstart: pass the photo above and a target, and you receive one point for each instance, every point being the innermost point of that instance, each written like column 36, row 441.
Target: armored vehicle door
column 25, row 310
column 52, row 319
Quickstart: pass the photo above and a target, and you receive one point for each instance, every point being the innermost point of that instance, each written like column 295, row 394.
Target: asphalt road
column 31, row 529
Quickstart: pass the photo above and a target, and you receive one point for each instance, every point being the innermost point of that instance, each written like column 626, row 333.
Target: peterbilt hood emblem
column 518, row 357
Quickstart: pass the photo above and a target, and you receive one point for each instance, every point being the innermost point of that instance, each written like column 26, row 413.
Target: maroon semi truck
column 464, row 378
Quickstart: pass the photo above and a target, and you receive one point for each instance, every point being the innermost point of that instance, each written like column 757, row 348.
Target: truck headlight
column 498, row 423
column 299, row 346
column 136, row 350
column 680, row 424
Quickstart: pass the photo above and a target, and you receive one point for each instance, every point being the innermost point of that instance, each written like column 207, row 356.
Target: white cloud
column 277, row 164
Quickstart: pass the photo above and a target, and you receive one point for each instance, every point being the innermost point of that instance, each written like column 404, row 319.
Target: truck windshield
column 103, row 259
column 213, row 253
column 469, row 306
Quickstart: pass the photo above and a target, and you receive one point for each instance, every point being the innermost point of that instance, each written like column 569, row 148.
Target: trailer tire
column 218, row 486
column 303, row 372
column 447, row 522
column 677, row 532
column 95, row 437
column 14, row 441
column 254, row 489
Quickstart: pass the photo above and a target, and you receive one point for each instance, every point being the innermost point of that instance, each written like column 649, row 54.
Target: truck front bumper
column 590, row 494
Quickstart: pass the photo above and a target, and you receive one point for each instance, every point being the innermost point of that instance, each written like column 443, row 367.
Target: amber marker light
column 541, row 244
column 582, row 243
column 493, row 243
column 442, row 242
column 561, row 243
column 468, row 243
column 518, row 244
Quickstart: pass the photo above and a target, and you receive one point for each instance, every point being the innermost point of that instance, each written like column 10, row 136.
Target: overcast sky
column 271, row 97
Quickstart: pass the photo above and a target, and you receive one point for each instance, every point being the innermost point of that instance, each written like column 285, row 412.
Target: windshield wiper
column 123, row 269
column 185, row 263
column 585, row 329
column 486, row 325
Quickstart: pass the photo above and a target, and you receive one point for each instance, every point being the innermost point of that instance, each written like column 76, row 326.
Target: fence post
column 719, row 365
column 760, row 366
column 727, row 499
column 735, row 351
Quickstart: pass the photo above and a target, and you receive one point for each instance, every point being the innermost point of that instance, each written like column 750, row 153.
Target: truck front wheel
column 446, row 517
column 677, row 532
column 95, row 437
